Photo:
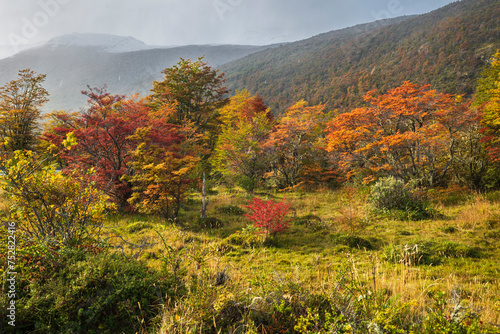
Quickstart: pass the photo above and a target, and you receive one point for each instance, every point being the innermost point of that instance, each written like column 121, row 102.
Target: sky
column 27, row 23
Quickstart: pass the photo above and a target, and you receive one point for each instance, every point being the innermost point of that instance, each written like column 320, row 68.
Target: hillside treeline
column 447, row 48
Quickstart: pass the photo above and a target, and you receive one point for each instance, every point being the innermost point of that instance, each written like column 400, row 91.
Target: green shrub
column 208, row 223
column 352, row 241
column 231, row 210
column 392, row 195
column 92, row 293
column 247, row 183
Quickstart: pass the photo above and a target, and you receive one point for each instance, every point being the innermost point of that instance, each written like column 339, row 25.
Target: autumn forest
column 200, row 209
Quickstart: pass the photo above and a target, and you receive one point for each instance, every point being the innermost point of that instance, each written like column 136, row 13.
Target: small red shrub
column 268, row 215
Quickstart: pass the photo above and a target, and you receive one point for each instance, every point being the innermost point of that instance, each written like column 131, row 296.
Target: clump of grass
column 247, row 237
column 451, row 249
column 234, row 210
column 208, row 223
column 352, row 241
column 311, row 222
column 429, row 253
column 448, row 229
column 411, row 254
column 477, row 212
column 138, row 226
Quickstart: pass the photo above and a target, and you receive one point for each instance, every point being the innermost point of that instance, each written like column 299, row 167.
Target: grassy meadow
column 336, row 239
column 342, row 267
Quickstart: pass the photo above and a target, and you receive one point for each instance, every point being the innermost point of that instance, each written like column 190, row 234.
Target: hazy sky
column 179, row 22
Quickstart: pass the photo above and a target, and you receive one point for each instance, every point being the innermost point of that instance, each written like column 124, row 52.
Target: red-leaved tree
column 103, row 135
column 269, row 215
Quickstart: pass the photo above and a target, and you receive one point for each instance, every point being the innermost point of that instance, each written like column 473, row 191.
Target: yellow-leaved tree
column 20, row 102
column 51, row 207
column 163, row 163
column 239, row 153
column 488, row 98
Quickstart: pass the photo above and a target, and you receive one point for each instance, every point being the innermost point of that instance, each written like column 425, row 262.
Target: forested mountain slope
column 446, row 48
column 72, row 63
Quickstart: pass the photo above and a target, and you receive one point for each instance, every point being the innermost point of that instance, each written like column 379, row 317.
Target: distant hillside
column 72, row 62
column 446, row 48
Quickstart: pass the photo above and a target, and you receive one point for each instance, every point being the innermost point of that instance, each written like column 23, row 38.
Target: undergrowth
column 339, row 268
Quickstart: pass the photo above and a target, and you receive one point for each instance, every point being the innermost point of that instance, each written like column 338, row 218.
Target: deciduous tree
column 295, row 143
column 102, row 133
column 239, row 153
column 163, row 163
column 20, row 102
column 410, row 132
column 197, row 91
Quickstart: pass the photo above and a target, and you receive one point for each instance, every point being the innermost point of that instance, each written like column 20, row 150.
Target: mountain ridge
column 106, row 42
column 70, row 67
column 446, row 48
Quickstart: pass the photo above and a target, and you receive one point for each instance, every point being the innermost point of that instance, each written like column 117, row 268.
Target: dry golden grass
column 312, row 259
column 476, row 213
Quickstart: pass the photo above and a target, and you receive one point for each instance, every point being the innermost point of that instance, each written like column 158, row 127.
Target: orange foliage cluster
column 411, row 132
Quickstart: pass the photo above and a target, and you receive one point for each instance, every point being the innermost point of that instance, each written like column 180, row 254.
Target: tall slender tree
column 239, row 155
column 198, row 93
column 20, row 102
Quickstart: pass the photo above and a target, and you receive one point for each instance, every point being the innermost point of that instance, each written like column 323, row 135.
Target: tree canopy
column 20, row 102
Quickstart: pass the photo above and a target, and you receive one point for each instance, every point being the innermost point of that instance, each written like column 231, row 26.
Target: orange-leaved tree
column 163, row 164
column 295, row 144
column 410, row 132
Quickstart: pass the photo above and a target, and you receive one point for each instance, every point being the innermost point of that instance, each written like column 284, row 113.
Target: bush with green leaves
column 231, row 210
column 89, row 292
column 392, row 195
